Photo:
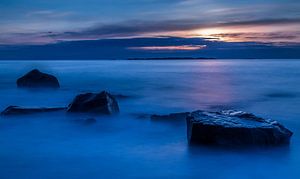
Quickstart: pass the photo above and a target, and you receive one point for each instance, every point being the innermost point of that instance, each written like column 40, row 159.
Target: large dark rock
column 37, row 79
column 16, row 110
column 102, row 103
column 234, row 128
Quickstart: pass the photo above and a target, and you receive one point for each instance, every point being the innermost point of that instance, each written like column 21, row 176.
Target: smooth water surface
column 56, row 145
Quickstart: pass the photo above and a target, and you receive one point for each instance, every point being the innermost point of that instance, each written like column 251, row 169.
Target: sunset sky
column 273, row 23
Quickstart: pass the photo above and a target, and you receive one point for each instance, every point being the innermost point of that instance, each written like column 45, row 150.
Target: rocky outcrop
column 37, row 79
column 101, row 103
column 234, row 128
column 16, row 110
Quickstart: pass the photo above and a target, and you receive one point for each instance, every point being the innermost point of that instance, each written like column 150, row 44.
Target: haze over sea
column 56, row 145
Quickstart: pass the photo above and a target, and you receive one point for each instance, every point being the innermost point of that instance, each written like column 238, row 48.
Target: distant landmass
column 172, row 58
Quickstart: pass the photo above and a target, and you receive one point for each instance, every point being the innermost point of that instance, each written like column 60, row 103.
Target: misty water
column 129, row 145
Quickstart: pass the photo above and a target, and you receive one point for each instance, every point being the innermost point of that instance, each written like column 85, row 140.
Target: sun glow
column 260, row 33
column 214, row 33
column 208, row 32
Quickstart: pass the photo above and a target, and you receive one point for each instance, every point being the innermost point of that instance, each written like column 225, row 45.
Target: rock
column 16, row 110
column 172, row 116
column 37, row 79
column 102, row 103
column 234, row 128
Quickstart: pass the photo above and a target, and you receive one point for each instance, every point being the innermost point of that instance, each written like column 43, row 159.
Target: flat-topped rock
column 101, row 103
column 234, row 128
column 37, row 79
column 16, row 110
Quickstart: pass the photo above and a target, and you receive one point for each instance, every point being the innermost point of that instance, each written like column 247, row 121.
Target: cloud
column 261, row 37
column 132, row 28
column 92, row 19
column 26, row 38
column 180, row 28
column 48, row 14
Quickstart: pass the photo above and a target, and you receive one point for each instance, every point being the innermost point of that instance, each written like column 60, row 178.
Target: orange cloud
column 170, row 48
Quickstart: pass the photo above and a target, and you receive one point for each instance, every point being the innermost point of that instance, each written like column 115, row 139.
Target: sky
column 203, row 25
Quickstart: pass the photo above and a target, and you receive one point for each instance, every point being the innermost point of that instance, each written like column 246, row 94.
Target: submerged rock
column 172, row 116
column 102, row 103
column 90, row 121
column 16, row 110
column 141, row 115
column 234, row 128
column 281, row 95
column 37, row 79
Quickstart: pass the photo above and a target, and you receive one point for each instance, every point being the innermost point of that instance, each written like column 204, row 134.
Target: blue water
column 56, row 145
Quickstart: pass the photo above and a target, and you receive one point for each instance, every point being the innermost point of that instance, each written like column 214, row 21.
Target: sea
column 131, row 145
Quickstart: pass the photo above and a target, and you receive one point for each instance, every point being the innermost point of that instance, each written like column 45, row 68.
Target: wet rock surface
column 100, row 103
column 37, row 79
column 234, row 128
column 16, row 110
